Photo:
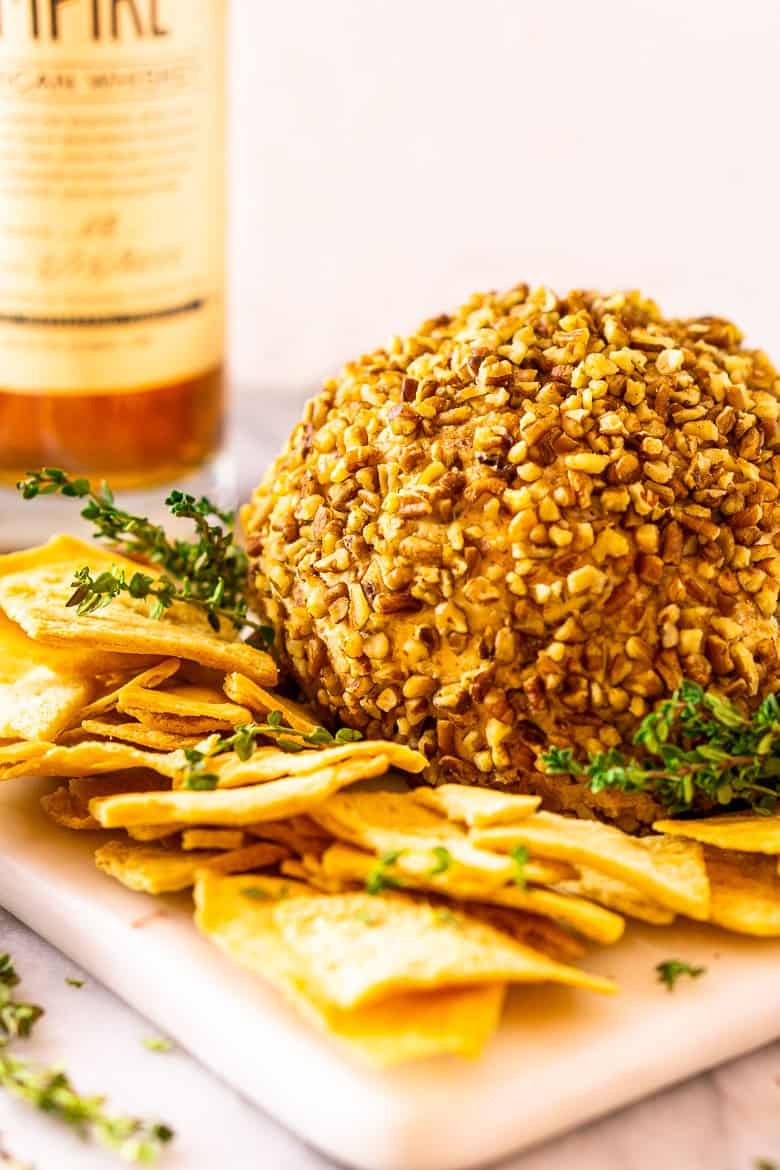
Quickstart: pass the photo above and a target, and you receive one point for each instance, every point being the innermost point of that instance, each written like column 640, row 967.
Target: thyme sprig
column 244, row 741
column 694, row 746
column 51, row 1090
column 209, row 572
column 17, row 1019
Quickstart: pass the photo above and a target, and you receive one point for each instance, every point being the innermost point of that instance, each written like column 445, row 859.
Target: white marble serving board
column 561, row 1057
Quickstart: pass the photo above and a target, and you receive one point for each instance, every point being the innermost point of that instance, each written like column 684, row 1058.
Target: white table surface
column 724, row 1120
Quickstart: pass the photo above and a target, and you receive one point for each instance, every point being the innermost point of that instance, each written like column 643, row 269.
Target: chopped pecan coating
column 525, row 524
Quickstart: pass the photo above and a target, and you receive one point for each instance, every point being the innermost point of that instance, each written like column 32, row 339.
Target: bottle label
column 111, row 192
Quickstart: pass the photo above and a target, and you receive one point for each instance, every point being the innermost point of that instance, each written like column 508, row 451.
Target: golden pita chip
column 246, row 693
column 201, row 676
column 67, row 810
column 666, row 870
column 743, row 832
column 85, row 660
column 68, row 805
column 38, row 698
column 112, row 783
column 154, row 870
column 73, row 736
column 91, row 758
column 152, row 677
column 213, row 839
column 34, row 593
column 136, row 733
column 61, row 549
column 384, row 822
column 407, row 1027
column 185, row 700
column 178, row 724
column 409, row 946
column 272, row 763
column 314, row 877
column 588, row 919
column 404, row 1028
column 13, row 754
column 234, row 806
column 294, row 868
column 476, row 806
column 542, row 934
column 745, row 893
column 616, row 895
column 261, row 855
column 301, row 834
column 154, row 832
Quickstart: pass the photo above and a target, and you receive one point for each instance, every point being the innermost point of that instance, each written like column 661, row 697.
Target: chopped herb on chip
column 257, row 893
column 443, row 916
column 443, row 861
column 378, row 878
column 520, row 857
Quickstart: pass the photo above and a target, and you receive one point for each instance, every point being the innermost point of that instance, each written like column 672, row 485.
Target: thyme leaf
column 378, row 878
column 443, row 861
column 17, row 1019
column 157, row 1044
column 520, row 857
column 671, row 969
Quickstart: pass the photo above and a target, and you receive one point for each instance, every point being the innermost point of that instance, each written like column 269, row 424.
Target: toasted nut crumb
column 587, row 461
column 588, row 579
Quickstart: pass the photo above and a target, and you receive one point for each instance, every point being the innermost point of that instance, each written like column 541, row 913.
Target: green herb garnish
column 157, row 1044
column 243, row 741
column 520, row 857
column 671, row 969
column 445, row 917
column 257, row 894
column 51, row 1091
column 17, row 1019
column 695, row 745
column 71, row 982
column 209, row 572
column 367, row 918
column 443, row 860
column 378, row 878
column 196, row 776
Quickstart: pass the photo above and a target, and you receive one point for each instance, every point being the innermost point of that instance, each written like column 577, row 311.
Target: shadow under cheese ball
column 525, row 524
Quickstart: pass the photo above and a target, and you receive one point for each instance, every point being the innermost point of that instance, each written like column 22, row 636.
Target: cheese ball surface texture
column 525, row 524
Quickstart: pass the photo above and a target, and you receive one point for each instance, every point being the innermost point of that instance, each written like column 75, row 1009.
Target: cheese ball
column 524, row 525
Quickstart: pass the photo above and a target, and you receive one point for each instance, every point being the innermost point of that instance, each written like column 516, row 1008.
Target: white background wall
column 390, row 156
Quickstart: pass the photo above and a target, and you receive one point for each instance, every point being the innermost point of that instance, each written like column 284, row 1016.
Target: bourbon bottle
column 111, row 237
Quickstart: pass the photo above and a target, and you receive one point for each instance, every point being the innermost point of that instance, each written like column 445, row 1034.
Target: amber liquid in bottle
column 133, row 439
